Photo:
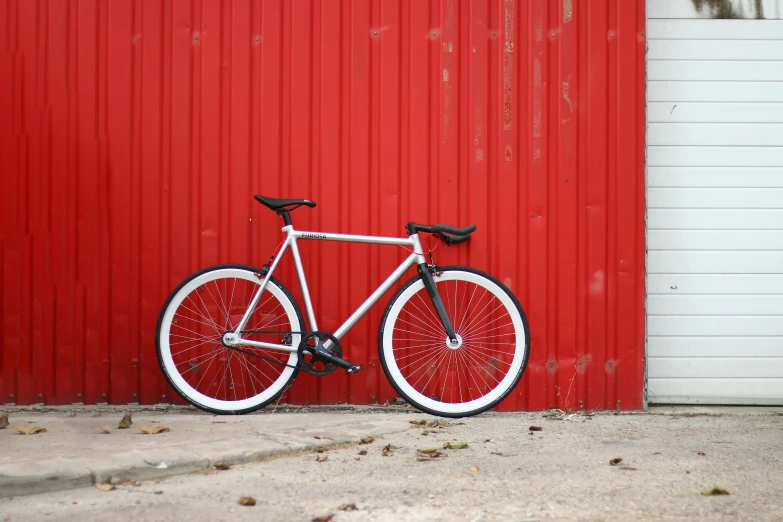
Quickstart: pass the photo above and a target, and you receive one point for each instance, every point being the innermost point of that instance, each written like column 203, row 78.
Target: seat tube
column 303, row 283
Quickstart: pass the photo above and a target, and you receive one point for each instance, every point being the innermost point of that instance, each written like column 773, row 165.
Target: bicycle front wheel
column 484, row 366
column 211, row 375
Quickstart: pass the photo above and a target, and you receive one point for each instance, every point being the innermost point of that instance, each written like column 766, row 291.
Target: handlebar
column 451, row 235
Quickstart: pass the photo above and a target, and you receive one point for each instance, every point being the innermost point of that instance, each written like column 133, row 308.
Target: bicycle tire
column 174, row 375
column 476, row 349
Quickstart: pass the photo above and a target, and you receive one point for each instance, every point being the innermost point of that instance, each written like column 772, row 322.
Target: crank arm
column 342, row 363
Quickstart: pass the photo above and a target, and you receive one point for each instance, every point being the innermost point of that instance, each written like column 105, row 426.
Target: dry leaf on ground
column 159, row 492
column 324, row 518
column 222, row 467
column 3, row 420
column 129, row 482
column 322, row 457
column 29, row 430
column 105, row 429
column 535, row 428
column 474, row 468
column 152, row 430
column 715, row 491
column 430, row 453
column 362, row 452
column 456, row 445
column 615, row 462
column 700, row 453
column 125, row 422
column 348, row 507
column 387, row 451
column 247, row 501
column 105, row 487
column 367, row 440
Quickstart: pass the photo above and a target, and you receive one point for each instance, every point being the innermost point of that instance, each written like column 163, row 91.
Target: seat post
column 286, row 217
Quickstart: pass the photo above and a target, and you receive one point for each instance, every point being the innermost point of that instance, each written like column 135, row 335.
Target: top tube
column 351, row 238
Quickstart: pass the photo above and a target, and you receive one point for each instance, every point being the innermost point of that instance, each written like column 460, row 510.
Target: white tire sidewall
column 165, row 348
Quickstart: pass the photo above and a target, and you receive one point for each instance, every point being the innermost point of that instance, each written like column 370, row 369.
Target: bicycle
column 453, row 340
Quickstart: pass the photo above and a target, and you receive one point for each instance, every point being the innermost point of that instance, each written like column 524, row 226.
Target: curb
column 60, row 474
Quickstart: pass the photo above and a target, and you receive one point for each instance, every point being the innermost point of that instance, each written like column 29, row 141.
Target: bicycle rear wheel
column 462, row 380
column 205, row 372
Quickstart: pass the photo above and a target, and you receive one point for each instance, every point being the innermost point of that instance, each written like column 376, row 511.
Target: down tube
column 348, row 324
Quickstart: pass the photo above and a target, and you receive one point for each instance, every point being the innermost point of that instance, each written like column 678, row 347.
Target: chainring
column 311, row 362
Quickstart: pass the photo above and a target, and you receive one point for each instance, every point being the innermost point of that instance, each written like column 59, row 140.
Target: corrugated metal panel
column 134, row 133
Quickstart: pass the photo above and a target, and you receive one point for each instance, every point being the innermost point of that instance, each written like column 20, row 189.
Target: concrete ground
column 507, row 472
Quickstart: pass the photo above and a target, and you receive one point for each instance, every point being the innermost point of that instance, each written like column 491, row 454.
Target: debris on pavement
column 711, row 492
column 387, row 451
column 348, row 507
column 535, row 428
column 474, row 468
column 105, row 429
column 323, row 457
column 431, row 424
column 429, row 453
column 367, row 440
column 700, row 453
column 222, row 467
column 29, row 430
column 126, row 422
column 615, row 462
column 108, row 486
column 246, row 501
column 324, row 518
column 455, row 446
column 153, row 430
column 362, row 452
column 3, row 420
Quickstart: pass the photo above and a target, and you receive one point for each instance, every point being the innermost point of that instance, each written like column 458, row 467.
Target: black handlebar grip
column 454, row 230
column 453, row 240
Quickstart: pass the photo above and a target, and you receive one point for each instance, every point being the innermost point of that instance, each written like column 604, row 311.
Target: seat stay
column 257, row 296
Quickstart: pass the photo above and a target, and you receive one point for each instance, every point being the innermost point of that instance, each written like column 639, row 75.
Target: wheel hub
column 230, row 339
column 454, row 346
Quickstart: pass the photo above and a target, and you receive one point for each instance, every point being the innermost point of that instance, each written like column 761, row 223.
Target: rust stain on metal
column 508, row 64
column 537, row 103
column 568, row 11
column 565, row 93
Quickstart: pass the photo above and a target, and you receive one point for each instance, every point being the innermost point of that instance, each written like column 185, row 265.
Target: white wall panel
column 715, row 202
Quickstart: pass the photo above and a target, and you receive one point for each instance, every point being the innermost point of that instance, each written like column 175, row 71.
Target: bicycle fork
column 437, row 302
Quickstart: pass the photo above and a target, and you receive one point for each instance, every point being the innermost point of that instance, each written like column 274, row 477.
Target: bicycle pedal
column 353, row 369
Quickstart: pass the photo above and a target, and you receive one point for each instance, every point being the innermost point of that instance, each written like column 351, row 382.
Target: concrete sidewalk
column 74, row 452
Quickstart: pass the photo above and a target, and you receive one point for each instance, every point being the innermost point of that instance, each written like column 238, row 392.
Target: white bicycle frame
column 414, row 259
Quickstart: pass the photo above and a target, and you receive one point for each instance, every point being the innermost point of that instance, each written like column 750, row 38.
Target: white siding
column 672, row 9
column 715, row 206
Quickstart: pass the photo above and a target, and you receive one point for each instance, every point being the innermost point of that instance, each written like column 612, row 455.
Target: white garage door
column 715, row 202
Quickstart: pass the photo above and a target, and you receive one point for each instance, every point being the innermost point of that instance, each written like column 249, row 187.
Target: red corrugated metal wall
column 133, row 134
